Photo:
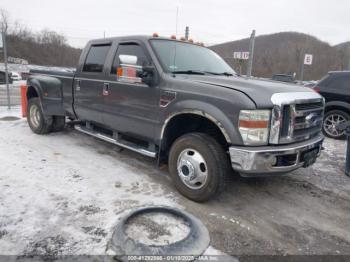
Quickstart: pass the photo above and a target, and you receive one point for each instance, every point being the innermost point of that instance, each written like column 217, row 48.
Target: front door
column 130, row 106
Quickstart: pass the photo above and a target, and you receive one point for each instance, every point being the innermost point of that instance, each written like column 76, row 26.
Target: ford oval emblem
column 312, row 119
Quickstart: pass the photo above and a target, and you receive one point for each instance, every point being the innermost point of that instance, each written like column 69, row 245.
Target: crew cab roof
column 133, row 37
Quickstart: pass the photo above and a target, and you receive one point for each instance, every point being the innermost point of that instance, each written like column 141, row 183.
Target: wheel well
column 31, row 92
column 187, row 123
column 337, row 107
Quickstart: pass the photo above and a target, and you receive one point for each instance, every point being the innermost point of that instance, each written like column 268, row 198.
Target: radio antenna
column 177, row 19
column 176, row 22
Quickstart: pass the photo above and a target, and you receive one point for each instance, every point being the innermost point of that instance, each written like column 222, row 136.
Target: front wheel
column 198, row 166
column 36, row 119
column 330, row 122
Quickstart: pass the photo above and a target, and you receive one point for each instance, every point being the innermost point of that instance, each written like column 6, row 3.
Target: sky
column 210, row 21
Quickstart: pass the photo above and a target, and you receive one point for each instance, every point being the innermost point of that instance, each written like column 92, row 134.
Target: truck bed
column 63, row 73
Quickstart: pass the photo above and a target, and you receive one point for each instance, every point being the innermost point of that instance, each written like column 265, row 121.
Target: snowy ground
column 54, row 190
column 63, row 193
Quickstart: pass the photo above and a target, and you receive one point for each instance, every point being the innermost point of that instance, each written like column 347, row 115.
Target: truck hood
column 259, row 91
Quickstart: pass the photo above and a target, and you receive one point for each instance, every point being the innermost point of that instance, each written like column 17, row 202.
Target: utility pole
column 251, row 54
column 187, row 33
column 302, row 70
column 6, row 69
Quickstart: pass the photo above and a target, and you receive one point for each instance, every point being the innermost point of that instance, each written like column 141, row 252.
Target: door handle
column 78, row 85
column 105, row 91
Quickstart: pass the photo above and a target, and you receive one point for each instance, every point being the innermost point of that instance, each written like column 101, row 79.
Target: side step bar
column 129, row 146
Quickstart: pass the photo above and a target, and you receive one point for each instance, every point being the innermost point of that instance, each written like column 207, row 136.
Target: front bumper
column 269, row 160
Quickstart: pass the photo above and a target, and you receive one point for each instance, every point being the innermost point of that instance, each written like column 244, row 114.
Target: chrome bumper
column 269, row 160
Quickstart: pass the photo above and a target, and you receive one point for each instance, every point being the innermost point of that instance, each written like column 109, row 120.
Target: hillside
column 45, row 48
column 275, row 53
column 345, row 45
column 283, row 53
column 344, row 50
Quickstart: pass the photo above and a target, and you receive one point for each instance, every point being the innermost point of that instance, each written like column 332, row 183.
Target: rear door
column 88, row 84
column 131, row 106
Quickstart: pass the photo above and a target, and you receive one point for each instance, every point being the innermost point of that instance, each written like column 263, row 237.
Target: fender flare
column 36, row 85
column 337, row 104
column 200, row 113
column 50, row 94
column 33, row 83
column 215, row 114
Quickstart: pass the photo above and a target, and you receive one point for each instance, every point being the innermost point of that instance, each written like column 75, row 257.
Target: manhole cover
column 9, row 118
column 157, row 228
column 161, row 231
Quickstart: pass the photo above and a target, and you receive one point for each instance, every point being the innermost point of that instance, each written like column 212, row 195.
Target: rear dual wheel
column 38, row 122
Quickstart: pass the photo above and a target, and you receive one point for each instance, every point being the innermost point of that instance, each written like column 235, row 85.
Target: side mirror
column 148, row 75
column 148, row 69
column 128, row 59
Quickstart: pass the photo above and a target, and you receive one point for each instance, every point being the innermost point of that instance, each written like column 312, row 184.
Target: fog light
column 273, row 161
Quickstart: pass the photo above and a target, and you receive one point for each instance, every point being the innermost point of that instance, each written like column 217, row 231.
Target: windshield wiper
column 220, row 74
column 189, row 72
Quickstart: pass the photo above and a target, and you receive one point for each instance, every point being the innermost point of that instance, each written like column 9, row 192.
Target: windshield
column 179, row 57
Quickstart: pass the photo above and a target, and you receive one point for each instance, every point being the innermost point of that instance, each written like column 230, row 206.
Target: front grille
column 285, row 120
column 308, row 106
column 301, row 121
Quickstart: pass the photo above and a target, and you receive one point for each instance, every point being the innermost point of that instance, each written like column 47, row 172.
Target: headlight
column 254, row 126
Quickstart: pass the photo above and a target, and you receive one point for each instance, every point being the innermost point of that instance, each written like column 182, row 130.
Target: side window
column 345, row 84
column 129, row 50
column 341, row 83
column 96, row 58
column 324, row 82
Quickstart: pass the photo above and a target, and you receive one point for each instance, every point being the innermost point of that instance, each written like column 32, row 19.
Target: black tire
column 195, row 243
column 58, row 123
column 39, row 124
column 335, row 134
column 216, row 160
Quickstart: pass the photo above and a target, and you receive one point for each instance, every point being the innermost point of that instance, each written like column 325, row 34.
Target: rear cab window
column 95, row 59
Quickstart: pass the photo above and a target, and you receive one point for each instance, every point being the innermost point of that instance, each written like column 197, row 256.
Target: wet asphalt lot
column 305, row 212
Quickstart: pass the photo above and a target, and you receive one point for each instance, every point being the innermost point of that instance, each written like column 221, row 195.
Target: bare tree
column 4, row 20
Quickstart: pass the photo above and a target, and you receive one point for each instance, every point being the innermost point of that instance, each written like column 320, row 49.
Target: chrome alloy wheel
column 35, row 116
column 192, row 169
column 330, row 125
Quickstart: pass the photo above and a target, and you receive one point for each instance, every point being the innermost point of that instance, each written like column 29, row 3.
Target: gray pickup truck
column 181, row 103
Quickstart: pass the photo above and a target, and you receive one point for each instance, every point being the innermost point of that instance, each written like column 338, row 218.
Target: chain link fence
column 15, row 93
column 14, row 85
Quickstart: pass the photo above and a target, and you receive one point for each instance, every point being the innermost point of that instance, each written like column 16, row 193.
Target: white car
column 16, row 76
